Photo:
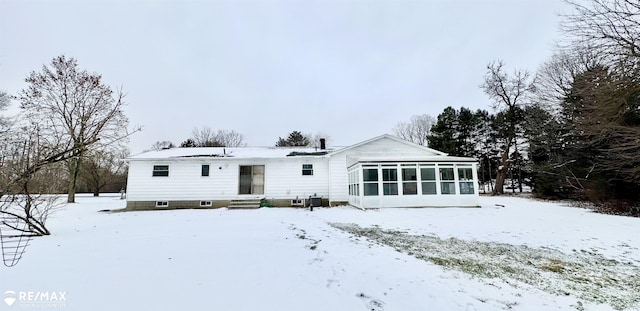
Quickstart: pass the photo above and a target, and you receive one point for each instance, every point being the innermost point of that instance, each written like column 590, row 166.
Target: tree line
column 569, row 130
column 206, row 137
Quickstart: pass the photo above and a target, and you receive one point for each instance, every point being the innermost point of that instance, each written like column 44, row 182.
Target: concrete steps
column 244, row 204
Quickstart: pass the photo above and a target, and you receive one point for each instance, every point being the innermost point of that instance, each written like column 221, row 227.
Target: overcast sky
column 350, row 69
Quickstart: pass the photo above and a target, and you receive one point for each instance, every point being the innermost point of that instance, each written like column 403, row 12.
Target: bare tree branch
column 416, row 130
column 509, row 95
column 73, row 110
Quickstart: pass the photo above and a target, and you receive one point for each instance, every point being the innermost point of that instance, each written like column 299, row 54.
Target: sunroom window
column 390, row 181
column 465, row 177
column 370, row 180
column 447, row 180
column 428, row 178
column 409, row 181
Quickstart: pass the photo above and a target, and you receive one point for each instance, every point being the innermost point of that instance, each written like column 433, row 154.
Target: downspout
column 328, row 159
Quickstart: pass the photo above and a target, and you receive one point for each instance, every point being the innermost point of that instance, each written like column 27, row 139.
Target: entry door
column 251, row 179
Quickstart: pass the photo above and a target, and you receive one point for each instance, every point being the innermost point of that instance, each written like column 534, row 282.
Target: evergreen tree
column 295, row 139
column 486, row 146
column 189, row 143
column 467, row 124
column 444, row 133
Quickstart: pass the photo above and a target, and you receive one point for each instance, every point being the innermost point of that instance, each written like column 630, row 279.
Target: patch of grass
column 553, row 265
column 584, row 274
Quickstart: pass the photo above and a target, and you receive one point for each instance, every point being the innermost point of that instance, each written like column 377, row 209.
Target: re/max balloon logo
column 36, row 299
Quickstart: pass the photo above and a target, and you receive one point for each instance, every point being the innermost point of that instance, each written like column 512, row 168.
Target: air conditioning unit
column 315, row 201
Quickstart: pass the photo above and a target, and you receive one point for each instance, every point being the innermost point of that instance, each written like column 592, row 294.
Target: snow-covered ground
column 329, row 259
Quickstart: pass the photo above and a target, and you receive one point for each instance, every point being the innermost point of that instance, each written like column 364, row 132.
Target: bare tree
column 416, row 130
column 21, row 212
column 4, row 100
column 102, row 167
column 160, row 145
column 4, row 103
column 509, row 95
column 554, row 79
column 608, row 26
column 27, row 162
column 230, row 138
column 205, row 137
column 314, row 140
column 75, row 109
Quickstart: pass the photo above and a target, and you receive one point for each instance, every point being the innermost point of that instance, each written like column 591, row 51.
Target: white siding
column 339, row 183
column 184, row 181
column 283, row 179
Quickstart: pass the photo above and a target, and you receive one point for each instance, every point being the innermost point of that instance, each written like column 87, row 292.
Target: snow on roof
column 287, row 152
column 391, row 137
column 224, row 152
column 413, row 158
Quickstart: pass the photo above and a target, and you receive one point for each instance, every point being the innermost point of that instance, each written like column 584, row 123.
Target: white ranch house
column 384, row 171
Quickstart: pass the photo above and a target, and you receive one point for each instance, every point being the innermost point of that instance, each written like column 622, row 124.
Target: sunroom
column 413, row 184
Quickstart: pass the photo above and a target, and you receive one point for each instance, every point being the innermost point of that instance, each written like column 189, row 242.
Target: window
column 162, row 203
column 465, row 177
column 428, row 178
column 353, row 183
column 447, row 180
column 409, row 181
column 356, row 186
column 389, row 181
column 160, row 170
column 307, row 169
column 205, row 169
column 370, row 178
column 205, row 203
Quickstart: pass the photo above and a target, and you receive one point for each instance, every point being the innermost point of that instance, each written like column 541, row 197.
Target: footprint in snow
column 372, row 304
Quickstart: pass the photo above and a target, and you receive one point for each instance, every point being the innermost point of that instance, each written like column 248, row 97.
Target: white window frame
column 461, row 181
column 452, row 182
column 377, row 182
column 153, row 170
column 388, row 183
column 162, row 203
column 433, row 181
column 308, row 169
